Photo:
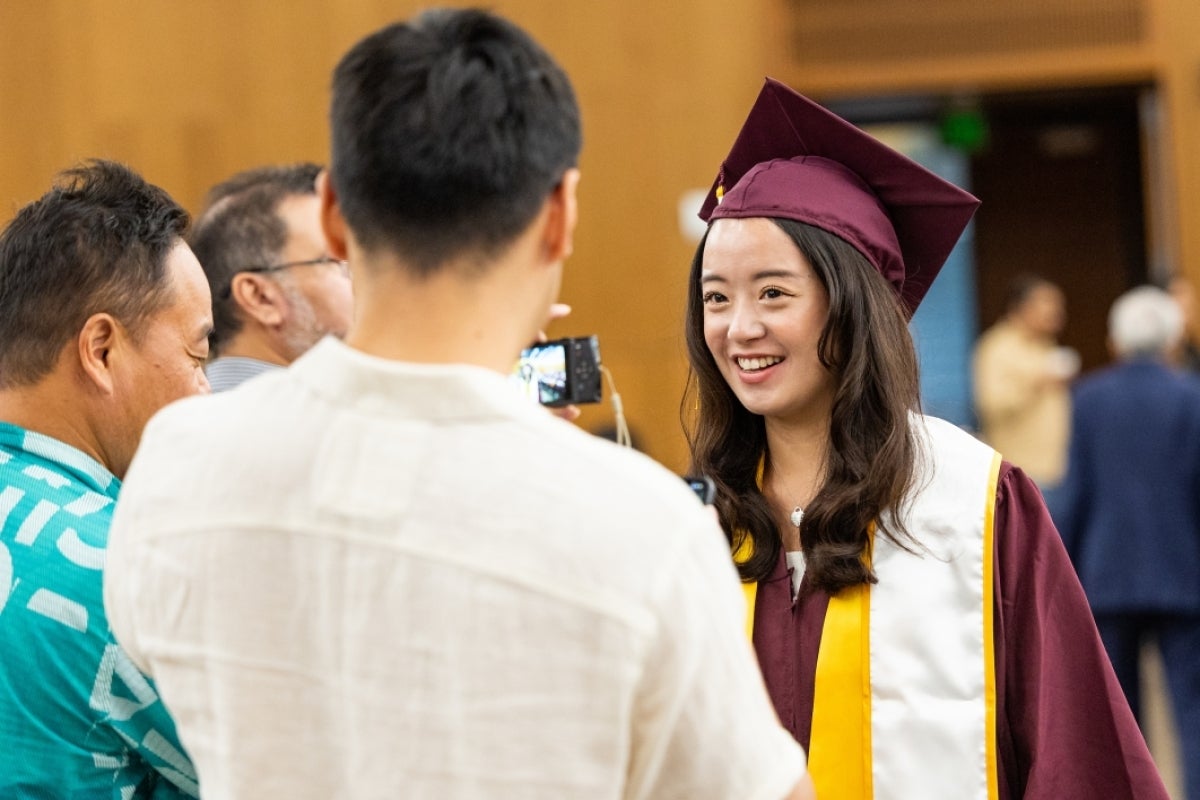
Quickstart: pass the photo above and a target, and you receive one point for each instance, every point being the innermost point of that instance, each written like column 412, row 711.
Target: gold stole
column 840, row 751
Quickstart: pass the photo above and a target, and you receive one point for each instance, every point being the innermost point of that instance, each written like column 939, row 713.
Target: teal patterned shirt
column 77, row 720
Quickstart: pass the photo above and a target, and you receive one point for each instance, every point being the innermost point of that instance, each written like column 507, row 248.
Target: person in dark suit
column 1130, row 513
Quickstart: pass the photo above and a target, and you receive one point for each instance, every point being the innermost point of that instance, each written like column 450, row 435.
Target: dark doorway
column 1060, row 176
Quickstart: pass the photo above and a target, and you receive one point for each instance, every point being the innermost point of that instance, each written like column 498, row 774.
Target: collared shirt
column 228, row 372
column 77, row 719
column 372, row 579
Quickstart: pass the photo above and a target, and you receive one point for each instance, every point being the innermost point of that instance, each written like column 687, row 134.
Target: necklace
column 797, row 513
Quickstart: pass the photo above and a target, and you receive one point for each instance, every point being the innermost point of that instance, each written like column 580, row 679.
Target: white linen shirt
column 358, row 578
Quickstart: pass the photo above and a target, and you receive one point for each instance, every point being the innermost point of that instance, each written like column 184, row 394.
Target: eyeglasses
column 343, row 267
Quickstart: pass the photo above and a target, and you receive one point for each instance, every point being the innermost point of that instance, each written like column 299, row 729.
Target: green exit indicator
column 964, row 129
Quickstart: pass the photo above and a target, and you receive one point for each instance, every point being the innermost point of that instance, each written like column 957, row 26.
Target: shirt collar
column 354, row 379
column 67, row 458
column 227, row 372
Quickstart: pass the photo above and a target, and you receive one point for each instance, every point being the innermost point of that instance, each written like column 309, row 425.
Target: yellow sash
column 840, row 752
column 740, row 556
column 841, row 725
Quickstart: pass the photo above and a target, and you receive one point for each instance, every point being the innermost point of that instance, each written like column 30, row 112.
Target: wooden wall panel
column 890, row 31
column 1176, row 39
column 188, row 93
column 903, row 46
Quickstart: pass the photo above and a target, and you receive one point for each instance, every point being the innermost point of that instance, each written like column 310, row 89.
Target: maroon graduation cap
column 795, row 160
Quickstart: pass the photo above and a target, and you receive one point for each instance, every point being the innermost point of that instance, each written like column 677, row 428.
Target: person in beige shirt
column 1021, row 381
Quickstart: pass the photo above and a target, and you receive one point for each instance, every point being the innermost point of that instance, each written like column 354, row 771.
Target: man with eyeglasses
column 276, row 290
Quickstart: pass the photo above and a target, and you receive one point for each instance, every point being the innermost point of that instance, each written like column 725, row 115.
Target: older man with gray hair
column 1130, row 515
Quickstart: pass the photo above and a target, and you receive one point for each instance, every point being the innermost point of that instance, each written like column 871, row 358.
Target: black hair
column 96, row 242
column 449, row 132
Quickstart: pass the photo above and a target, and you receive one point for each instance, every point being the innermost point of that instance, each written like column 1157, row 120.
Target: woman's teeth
column 751, row 364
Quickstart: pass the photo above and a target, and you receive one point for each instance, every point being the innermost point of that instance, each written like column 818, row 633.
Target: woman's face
column 764, row 309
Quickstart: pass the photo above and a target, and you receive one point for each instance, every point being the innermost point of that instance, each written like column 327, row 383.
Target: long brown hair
column 867, row 347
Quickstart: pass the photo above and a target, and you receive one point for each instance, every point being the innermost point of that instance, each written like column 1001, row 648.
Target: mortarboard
column 796, row 160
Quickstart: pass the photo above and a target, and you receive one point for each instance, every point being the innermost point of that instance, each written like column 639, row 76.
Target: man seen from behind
column 416, row 583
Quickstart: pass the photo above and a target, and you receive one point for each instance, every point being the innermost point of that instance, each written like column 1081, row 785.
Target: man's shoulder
column 278, row 418
column 1157, row 381
column 606, row 520
column 604, row 465
column 54, row 538
column 998, row 335
column 216, row 415
column 28, row 457
column 48, row 484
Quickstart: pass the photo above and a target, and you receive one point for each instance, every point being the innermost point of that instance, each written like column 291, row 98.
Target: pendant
column 797, row 516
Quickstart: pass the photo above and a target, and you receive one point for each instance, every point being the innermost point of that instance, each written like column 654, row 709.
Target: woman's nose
column 745, row 324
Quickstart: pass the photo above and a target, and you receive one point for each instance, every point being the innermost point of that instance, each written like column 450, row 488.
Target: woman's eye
column 713, row 297
column 772, row 293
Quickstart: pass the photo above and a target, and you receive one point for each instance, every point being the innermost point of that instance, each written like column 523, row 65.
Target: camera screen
column 542, row 371
column 702, row 485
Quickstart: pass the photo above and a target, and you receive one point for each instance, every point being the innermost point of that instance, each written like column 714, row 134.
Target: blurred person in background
column 1022, row 377
column 1130, row 510
column 414, row 582
column 276, row 290
column 915, row 615
column 104, row 319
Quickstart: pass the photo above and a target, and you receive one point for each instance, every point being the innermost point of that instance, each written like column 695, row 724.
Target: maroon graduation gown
column 1064, row 728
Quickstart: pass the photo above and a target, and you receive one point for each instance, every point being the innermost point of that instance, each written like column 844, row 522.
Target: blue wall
column 945, row 325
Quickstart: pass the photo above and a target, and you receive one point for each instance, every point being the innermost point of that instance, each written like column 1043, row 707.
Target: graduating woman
column 918, row 623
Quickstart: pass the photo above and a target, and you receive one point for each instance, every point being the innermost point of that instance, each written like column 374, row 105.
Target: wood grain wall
column 1175, row 40
column 188, row 93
